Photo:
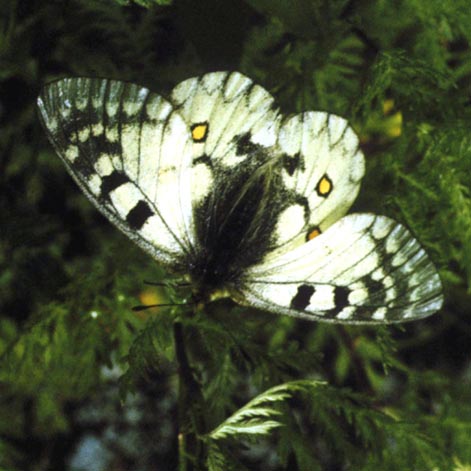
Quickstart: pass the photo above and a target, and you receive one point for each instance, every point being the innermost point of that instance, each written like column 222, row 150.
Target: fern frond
column 259, row 416
column 149, row 351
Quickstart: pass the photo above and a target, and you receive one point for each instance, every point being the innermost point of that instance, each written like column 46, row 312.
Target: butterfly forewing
column 234, row 125
column 130, row 152
column 229, row 116
column 362, row 269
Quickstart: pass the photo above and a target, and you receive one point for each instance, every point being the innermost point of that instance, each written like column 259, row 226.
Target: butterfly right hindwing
column 362, row 269
column 323, row 163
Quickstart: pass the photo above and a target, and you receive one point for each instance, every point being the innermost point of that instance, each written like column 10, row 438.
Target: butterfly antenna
column 165, row 284
column 143, row 307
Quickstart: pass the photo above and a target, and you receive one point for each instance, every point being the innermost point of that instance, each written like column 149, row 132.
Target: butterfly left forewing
column 130, row 152
column 234, row 127
column 362, row 269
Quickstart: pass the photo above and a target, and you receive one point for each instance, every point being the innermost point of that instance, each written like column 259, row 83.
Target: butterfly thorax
column 235, row 225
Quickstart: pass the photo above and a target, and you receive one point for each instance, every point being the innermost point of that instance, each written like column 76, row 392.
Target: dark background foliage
column 87, row 384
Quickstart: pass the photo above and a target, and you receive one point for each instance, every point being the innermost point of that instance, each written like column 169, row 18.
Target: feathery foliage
column 267, row 393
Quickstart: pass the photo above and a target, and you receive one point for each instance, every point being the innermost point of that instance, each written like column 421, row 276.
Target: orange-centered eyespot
column 199, row 132
column 312, row 233
column 324, row 187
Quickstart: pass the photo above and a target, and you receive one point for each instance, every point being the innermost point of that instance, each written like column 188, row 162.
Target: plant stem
column 191, row 449
column 357, row 362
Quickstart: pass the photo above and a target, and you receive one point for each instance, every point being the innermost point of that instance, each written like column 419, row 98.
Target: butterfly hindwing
column 130, row 153
column 362, row 269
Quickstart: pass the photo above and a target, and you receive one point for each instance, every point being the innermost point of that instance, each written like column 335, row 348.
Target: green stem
column 182, row 462
column 357, row 362
column 191, row 448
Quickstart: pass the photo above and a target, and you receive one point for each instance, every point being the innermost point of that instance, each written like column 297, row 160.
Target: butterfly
column 216, row 184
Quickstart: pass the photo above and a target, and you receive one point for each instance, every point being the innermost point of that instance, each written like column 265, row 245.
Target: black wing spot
column 138, row 215
column 244, row 144
column 82, row 164
column 101, row 142
column 203, row 159
column 341, row 294
column 76, row 122
column 302, row 298
column 112, row 181
column 291, row 163
column 376, row 290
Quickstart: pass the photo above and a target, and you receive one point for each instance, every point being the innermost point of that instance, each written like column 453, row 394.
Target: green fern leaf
column 259, row 416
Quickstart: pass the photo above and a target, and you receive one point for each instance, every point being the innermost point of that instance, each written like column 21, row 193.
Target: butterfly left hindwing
column 215, row 183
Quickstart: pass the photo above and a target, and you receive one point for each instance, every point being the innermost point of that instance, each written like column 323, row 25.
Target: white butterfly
column 215, row 183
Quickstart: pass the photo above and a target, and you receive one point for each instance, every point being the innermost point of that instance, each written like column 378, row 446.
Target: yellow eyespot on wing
column 199, row 132
column 313, row 232
column 324, row 187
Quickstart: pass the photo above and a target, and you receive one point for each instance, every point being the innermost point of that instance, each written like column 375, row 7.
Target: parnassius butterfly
column 217, row 184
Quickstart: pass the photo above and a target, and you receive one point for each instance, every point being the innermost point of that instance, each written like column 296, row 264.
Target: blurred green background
column 88, row 385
